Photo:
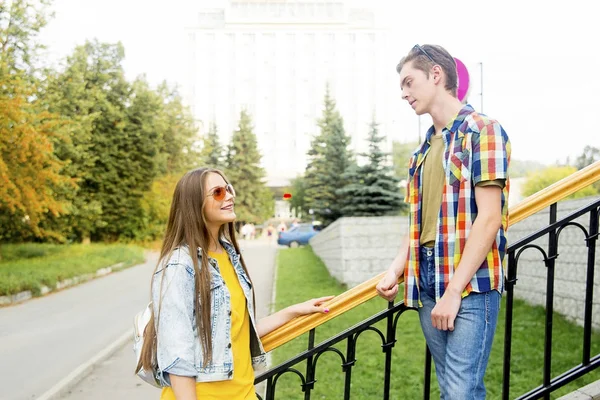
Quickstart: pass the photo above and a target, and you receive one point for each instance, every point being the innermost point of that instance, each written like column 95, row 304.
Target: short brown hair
column 426, row 56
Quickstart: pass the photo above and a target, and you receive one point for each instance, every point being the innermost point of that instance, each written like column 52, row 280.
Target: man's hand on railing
column 388, row 286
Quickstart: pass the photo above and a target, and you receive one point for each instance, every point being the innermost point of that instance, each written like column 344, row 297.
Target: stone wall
column 570, row 266
column 358, row 248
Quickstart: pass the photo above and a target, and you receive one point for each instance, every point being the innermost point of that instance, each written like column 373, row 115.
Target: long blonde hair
column 187, row 226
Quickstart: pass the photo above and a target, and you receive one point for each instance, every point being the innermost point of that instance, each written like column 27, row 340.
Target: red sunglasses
column 220, row 192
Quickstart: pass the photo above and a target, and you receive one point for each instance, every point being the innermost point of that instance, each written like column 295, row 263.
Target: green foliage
column 122, row 136
column 20, row 25
column 156, row 205
column 372, row 190
column 542, row 179
column 328, row 159
column 589, row 156
column 401, row 153
column 254, row 202
column 30, row 173
column 28, row 250
column 29, row 266
column 212, row 150
column 179, row 134
column 298, row 192
column 520, row 168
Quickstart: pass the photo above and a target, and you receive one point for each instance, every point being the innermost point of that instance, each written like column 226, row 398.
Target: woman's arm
column 274, row 321
column 184, row 387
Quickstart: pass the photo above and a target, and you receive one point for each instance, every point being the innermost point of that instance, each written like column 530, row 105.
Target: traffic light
column 287, row 196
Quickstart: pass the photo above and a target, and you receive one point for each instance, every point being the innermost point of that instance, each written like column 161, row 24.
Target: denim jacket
column 179, row 350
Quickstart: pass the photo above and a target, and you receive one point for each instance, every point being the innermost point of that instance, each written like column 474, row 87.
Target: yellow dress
column 241, row 387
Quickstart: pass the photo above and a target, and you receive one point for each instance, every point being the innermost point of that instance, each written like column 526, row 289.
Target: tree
column 589, row 156
column 30, row 173
column 520, row 168
column 401, row 153
column 20, row 24
column 156, row 205
column 212, row 151
column 328, row 159
column 254, row 202
column 372, row 189
column 298, row 192
column 179, row 133
column 542, row 179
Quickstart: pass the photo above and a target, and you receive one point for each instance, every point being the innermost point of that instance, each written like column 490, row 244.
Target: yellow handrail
column 366, row 290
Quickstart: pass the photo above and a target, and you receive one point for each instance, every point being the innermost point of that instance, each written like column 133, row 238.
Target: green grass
column 28, row 266
column 301, row 275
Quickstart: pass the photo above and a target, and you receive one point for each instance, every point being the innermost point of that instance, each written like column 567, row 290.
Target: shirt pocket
column 458, row 168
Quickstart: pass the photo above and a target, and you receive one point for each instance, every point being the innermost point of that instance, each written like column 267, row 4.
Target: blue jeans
column 460, row 356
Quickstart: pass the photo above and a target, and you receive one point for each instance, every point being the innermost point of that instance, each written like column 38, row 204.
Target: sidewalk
column 113, row 378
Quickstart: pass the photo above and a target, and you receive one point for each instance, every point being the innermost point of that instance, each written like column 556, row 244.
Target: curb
column 589, row 392
column 10, row 300
column 69, row 381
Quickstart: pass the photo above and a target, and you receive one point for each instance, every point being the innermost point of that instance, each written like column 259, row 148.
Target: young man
column 452, row 260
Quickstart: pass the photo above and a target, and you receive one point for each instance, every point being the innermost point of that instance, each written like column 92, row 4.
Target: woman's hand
column 274, row 321
column 310, row 306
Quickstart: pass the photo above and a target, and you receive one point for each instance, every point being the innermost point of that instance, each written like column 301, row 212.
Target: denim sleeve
column 175, row 322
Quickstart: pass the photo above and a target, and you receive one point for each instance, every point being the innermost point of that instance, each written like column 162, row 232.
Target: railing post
column 270, row 395
column 552, row 255
column 387, row 348
column 589, row 288
column 347, row 368
column 427, row 377
column 310, row 371
column 511, row 280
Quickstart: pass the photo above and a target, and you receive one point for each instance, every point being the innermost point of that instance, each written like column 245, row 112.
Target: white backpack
column 139, row 326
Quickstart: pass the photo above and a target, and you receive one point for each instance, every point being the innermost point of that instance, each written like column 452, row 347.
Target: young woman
column 204, row 336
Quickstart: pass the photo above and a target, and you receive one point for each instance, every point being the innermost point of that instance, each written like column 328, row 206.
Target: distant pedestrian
column 246, row 231
column 203, row 339
column 270, row 232
column 282, row 227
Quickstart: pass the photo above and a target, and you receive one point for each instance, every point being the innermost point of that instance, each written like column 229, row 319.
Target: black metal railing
column 393, row 312
column 348, row 359
column 553, row 231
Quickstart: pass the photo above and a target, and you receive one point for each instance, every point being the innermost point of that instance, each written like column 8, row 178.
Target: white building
column 274, row 58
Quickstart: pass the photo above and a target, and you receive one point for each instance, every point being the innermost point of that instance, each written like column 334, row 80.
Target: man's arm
column 388, row 285
column 480, row 240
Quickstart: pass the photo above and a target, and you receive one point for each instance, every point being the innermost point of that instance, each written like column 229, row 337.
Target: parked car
column 297, row 235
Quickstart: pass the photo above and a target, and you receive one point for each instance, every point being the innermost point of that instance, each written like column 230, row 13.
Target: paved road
column 114, row 379
column 44, row 339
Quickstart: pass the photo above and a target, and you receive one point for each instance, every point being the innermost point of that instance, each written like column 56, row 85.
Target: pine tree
column 212, row 150
column 328, row 157
column 254, row 201
column 373, row 189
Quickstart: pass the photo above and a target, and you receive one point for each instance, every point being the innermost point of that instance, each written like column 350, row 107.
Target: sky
column 539, row 58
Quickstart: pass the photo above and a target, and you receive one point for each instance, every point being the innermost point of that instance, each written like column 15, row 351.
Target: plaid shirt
column 476, row 149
